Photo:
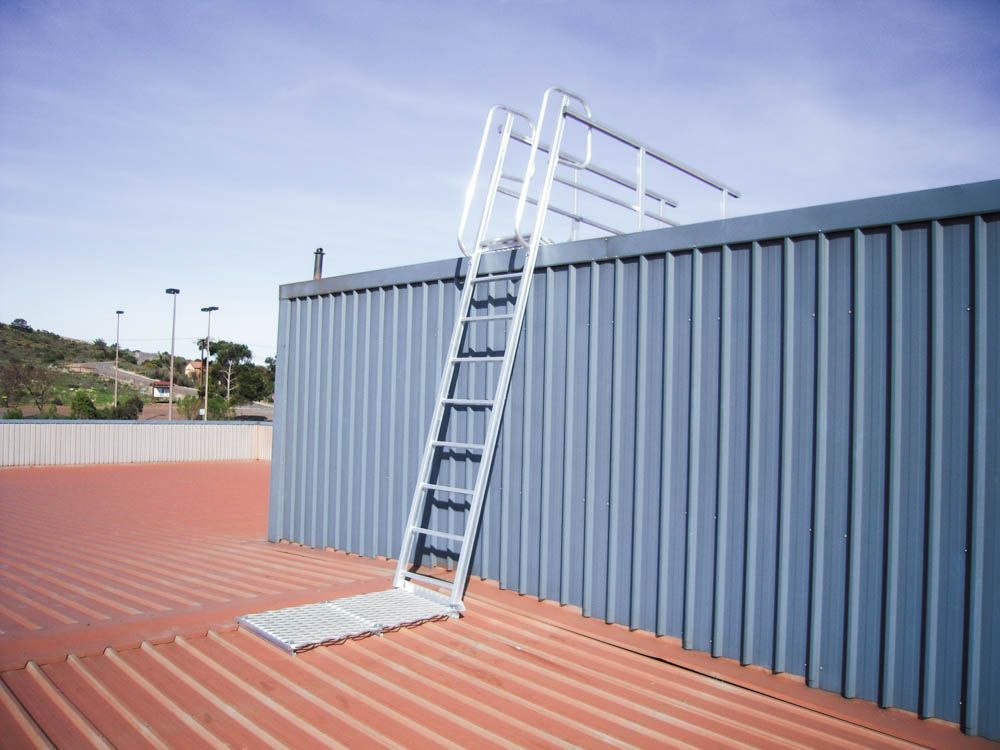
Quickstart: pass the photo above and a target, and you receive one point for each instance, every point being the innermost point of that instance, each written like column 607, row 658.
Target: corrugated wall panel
column 982, row 690
column 734, row 365
column 770, row 437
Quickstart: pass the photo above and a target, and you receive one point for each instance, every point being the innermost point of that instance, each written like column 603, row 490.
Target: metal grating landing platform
column 325, row 623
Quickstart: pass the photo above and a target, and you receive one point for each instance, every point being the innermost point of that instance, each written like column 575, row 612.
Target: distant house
column 194, row 369
column 161, row 390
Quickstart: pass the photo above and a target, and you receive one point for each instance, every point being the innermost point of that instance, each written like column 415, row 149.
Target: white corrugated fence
column 54, row 442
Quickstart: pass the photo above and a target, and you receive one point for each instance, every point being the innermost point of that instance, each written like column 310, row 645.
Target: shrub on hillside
column 128, row 409
column 82, row 407
column 188, row 407
column 218, row 408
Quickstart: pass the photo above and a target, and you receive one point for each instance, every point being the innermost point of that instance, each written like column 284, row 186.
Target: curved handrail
column 529, row 172
column 567, row 97
column 526, row 191
column 470, row 190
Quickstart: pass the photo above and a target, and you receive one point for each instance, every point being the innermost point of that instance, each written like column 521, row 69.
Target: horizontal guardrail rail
column 589, row 204
column 66, row 442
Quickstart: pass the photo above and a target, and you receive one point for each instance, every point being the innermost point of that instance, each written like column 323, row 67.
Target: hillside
column 36, row 376
column 36, row 347
column 33, row 371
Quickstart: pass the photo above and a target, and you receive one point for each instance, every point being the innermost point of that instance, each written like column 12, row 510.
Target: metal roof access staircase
column 499, row 267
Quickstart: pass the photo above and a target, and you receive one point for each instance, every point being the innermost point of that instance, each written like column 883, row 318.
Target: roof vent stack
column 318, row 264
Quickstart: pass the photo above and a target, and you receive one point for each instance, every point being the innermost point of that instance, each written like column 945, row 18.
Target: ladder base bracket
column 301, row 628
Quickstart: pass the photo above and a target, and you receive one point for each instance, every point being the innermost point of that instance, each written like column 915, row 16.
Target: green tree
column 233, row 364
column 11, row 386
column 136, row 403
column 158, row 368
column 218, row 409
column 18, row 380
column 228, row 351
column 130, row 408
column 13, row 413
column 82, row 406
column 251, row 383
column 188, row 406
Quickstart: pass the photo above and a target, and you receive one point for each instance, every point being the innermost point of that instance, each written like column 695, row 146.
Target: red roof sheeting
column 120, row 589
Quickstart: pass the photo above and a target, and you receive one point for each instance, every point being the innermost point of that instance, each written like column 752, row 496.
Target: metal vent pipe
column 318, row 263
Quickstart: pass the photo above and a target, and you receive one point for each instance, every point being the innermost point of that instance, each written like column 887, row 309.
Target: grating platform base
column 325, row 623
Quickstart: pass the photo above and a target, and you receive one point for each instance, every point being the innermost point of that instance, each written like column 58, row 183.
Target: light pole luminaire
column 208, row 354
column 173, row 330
column 118, row 331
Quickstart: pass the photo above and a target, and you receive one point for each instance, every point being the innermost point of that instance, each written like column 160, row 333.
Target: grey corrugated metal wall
column 775, row 437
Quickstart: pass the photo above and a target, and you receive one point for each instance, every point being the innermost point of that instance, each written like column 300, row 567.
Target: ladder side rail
column 554, row 156
column 494, row 185
column 470, row 190
column 416, row 504
column 506, row 371
column 567, row 97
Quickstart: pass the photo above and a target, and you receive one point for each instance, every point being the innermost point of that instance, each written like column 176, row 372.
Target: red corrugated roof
column 121, row 585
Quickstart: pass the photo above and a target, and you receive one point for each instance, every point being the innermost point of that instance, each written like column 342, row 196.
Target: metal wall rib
column 777, row 448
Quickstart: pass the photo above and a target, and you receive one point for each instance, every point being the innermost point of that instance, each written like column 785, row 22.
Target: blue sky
column 212, row 146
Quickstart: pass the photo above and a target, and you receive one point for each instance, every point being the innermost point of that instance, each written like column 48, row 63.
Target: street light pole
column 173, row 330
column 208, row 354
column 118, row 331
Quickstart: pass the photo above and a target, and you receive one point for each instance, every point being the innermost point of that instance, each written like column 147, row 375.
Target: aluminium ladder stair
column 410, row 601
column 427, row 490
column 416, row 596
